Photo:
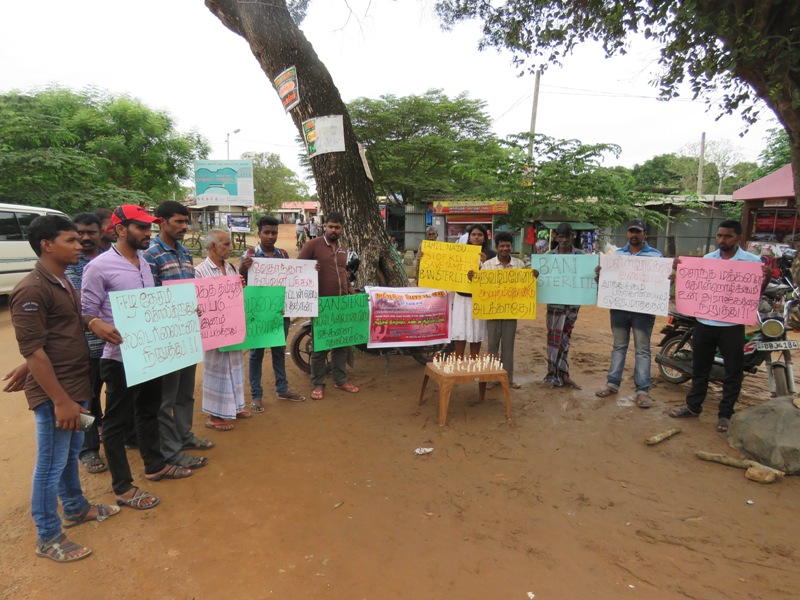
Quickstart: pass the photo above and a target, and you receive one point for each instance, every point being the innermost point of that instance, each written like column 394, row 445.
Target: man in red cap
column 124, row 268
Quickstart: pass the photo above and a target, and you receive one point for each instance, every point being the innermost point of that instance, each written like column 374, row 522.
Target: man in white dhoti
column 223, row 372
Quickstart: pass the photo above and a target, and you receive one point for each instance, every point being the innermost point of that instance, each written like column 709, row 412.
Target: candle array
column 480, row 364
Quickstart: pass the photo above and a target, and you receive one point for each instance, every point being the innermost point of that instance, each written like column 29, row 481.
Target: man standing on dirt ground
column 45, row 313
column 124, row 268
column 312, row 228
column 267, row 236
column 170, row 260
column 503, row 330
column 560, row 322
column 88, row 226
column 107, row 234
column 223, row 372
column 300, row 230
column 331, row 257
column 623, row 321
column 710, row 335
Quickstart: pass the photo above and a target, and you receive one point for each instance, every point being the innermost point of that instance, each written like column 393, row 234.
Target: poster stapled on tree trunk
column 288, row 88
column 324, row 134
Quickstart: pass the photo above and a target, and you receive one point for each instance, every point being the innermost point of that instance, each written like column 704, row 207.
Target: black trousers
column 140, row 404
column 91, row 441
column 705, row 341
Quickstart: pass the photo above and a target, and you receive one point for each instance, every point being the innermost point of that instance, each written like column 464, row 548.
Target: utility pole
column 533, row 114
column 701, row 164
column 228, row 141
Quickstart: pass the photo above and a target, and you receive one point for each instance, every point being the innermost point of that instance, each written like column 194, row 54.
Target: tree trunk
column 342, row 183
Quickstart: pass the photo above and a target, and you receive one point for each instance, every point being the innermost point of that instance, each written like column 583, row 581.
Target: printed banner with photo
column 343, row 321
column 159, row 328
column 504, row 294
column 633, row 283
column 263, row 313
column 719, row 290
column 410, row 316
column 566, row 278
column 444, row 265
column 221, row 302
column 299, row 277
column 238, row 223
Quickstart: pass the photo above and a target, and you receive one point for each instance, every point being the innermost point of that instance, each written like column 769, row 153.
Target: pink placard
column 719, row 290
column 222, row 304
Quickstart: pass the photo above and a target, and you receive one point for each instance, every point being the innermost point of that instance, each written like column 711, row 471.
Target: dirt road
column 327, row 499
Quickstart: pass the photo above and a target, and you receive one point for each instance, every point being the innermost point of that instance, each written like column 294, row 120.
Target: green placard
column 343, row 321
column 263, row 312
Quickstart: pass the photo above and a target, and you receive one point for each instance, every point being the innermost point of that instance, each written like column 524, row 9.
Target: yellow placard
column 504, row 294
column 444, row 265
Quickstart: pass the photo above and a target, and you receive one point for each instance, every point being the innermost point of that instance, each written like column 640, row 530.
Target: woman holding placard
column 463, row 328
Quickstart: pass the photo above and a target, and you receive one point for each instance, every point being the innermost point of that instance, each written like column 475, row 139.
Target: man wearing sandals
column 331, row 257
column 223, row 372
column 625, row 321
column 267, row 236
column 121, row 268
column 45, row 312
column 709, row 336
column 170, row 260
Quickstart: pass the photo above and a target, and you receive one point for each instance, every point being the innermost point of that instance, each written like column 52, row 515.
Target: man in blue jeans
column 267, row 236
column 46, row 314
column 623, row 321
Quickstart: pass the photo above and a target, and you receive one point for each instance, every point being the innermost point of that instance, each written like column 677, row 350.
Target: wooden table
column 446, row 382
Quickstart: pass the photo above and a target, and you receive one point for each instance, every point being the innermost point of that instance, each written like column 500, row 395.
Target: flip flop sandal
column 219, row 425
column 317, row 394
column 723, row 424
column 682, row 412
column 516, row 386
column 135, row 501
column 606, row 392
column 189, row 461
column 256, row 407
column 198, row 444
column 643, row 401
column 173, row 472
column 60, row 549
column 291, row 397
column 245, row 414
column 103, row 513
column 348, row 387
column 92, row 463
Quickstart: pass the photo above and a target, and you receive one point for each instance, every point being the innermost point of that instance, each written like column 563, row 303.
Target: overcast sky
column 175, row 55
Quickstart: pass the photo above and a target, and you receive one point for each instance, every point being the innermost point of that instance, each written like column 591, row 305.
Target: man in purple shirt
column 123, row 268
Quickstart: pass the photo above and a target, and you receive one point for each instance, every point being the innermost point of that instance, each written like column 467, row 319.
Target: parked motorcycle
column 303, row 345
column 675, row 358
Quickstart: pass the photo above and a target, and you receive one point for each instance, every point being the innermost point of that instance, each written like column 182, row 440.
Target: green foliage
column 275, row 183
column 777, row 153
column 418, row 147
column 670, row 173
column 709, row 44
column 565, row 179
column 78, row 150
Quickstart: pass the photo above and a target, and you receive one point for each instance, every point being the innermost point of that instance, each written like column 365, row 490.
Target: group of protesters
column 65, row 329
column 64, row 324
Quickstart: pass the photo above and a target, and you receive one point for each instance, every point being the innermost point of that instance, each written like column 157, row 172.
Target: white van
column 17, row 258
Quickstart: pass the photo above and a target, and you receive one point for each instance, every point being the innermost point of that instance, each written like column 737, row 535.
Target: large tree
column 275, row 183
column 78, row 150
column 417, row 146
column 342, row 184
column 565, row 179
column 777, row 153
column 745, row 49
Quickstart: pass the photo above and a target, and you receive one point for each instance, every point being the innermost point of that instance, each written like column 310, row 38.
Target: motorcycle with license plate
column 777, row 303
column 303, row 343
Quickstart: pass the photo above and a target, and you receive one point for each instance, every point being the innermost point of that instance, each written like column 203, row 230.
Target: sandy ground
column 327, row 499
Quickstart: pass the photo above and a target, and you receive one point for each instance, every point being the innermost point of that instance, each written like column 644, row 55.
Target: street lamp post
column 228, row 141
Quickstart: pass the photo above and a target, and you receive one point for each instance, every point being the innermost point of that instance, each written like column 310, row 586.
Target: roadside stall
column 455, row 216
column 541, row 236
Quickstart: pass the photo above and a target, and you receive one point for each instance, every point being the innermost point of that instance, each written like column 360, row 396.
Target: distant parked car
column 17, row 258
